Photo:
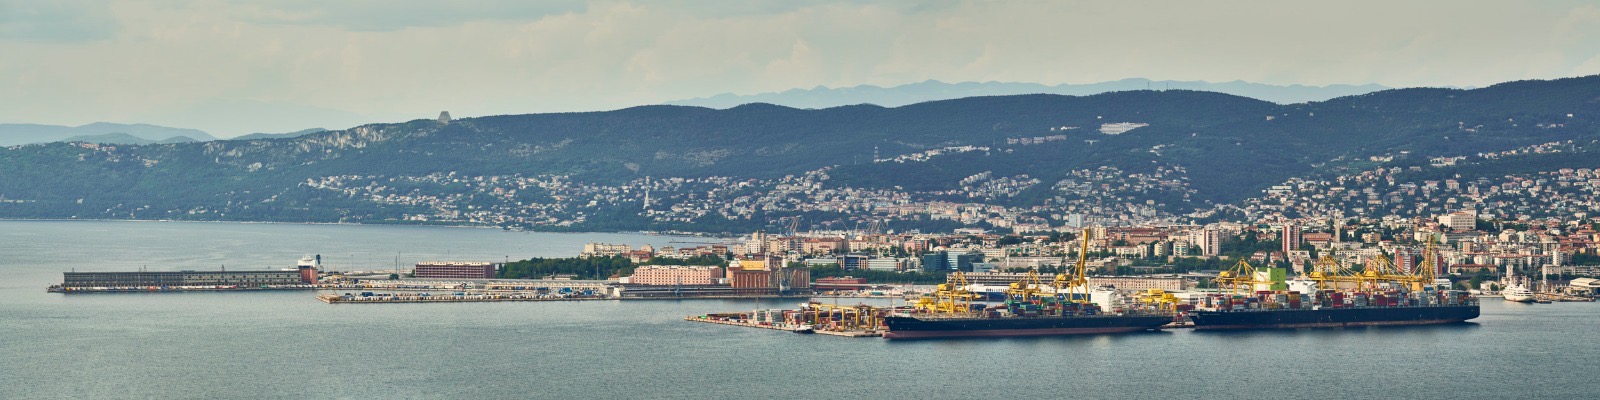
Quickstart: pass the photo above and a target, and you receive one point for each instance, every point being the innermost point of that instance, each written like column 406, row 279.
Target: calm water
column 288, row 345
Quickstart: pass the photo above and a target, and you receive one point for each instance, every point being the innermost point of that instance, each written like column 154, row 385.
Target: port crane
column 1241, row 278
column 1027, row 289
column 1076, row 280
column 860, row 316
column 1328, row 272
column 1383, row 270
column 1160, row 299
column 1423, row 276
column 951, row 297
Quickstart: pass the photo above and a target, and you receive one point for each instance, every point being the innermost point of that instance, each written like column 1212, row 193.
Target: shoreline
column 462, row 226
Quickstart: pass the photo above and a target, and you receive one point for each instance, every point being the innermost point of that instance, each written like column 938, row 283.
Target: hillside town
column 1377, row 199
column 1103, row 196
column 1470, row 252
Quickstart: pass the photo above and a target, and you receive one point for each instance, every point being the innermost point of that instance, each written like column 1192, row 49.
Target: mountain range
column 1221, row 148
column 99, row 132
column 285, row 135
column 113, row 133
column 931, row 90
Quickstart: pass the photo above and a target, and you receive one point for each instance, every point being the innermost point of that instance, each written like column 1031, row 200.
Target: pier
column 388, row 298
column 725, row 319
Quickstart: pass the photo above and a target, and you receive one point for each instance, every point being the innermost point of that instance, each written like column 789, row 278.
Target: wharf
column 786, row 328
column 720, row 297
column 171, row 289
column 470, row 298
column 1551, row 297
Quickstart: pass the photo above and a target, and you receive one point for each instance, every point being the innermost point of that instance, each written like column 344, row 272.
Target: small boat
column 804, row 329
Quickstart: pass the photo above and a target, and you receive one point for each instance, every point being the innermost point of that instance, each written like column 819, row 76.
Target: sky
column 232, row 67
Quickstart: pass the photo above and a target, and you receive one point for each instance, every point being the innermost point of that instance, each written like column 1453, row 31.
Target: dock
column 175, row 289
column 391, row 298
column 1553, row 297
column 724, row 319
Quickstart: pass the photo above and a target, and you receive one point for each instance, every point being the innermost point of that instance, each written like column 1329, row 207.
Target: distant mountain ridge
column 99, row 132
column 932, row 90
column 123, row 138
column 112, row 133
column 287, row 135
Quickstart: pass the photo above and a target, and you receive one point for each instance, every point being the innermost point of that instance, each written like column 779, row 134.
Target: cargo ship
column 1334, row 296
column 1030, row 308
column 1080, row 322
column 1335, row 309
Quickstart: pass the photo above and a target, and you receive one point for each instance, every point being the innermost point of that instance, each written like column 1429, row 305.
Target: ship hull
column 1332, row 317
column 917, row 328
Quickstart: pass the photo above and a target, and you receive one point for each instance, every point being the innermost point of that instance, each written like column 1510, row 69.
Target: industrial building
column 181, row 278
column 454, row 270
column 676, row 275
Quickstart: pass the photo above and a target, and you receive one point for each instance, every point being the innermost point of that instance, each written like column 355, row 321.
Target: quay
column 722, row 319
column 812, row 317
column 1553, row 297
column 383, row 298
column 377, row 296
column 169, row 289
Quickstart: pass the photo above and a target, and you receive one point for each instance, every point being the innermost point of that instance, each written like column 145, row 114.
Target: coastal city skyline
column 778, row 199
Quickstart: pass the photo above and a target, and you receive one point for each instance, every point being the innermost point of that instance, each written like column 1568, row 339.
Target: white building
column 1460, row 221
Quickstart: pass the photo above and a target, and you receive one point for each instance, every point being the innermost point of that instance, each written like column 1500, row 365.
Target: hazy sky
column 232, row 67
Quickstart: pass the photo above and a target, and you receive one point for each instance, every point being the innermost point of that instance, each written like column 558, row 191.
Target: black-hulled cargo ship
column 1333, row 309
column 1053, row 315
column 915, row 327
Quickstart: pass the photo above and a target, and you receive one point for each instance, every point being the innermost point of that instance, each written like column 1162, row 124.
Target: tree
column 394, row 277
column 1585, row 259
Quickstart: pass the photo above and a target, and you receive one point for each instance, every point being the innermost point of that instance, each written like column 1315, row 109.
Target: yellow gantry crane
column 1380, row 270
column 1241, row 278
column 1028, row 289
column 860, row 316
column 1423, row 275
column 1160, row 299
column 1328, row 272
column 951, row 297
column 1076, row 280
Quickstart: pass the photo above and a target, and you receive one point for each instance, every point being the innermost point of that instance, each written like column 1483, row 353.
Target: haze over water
column 288, row 345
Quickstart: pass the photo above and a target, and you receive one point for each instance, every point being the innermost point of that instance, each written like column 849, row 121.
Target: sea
column 289, row 345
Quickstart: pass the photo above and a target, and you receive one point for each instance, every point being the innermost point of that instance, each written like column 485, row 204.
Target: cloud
column 385, row 15
column 392, row 61
column 56, row 21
